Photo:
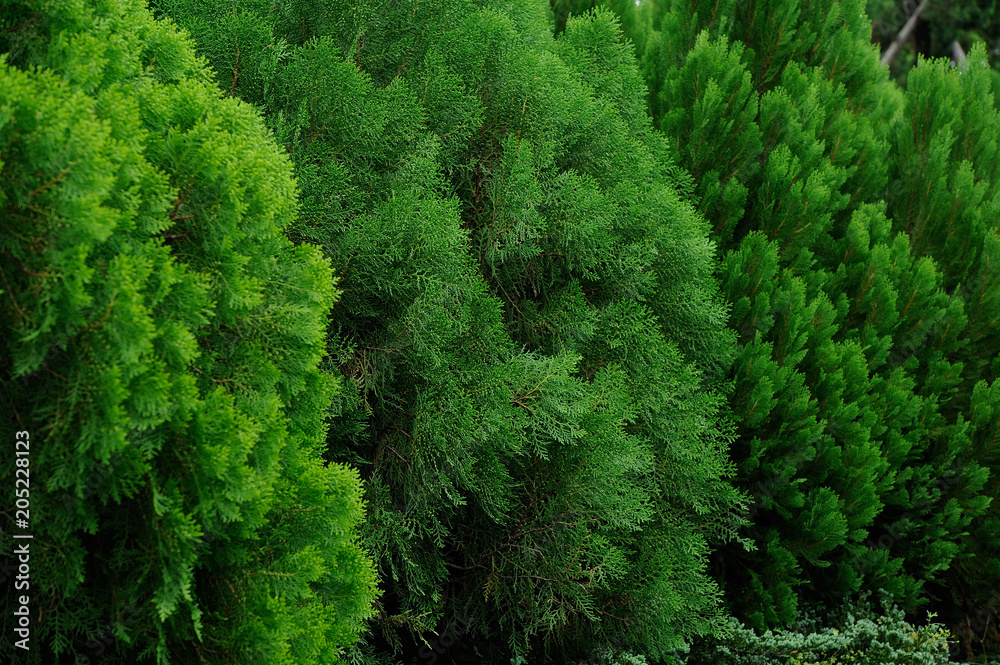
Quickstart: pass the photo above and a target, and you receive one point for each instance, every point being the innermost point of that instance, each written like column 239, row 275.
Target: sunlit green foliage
column 161, row 342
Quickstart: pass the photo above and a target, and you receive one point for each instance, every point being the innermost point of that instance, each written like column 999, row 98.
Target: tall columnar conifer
column 943, row 194
column 161, row 345
column 851, row 435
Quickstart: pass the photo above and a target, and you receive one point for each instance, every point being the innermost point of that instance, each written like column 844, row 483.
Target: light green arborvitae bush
column 527, row 324
column 161, row 341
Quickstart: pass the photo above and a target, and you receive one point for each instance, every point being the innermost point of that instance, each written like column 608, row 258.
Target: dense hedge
column 528, row 317
column 161, row 346
column 861, row 229
column 648, row 331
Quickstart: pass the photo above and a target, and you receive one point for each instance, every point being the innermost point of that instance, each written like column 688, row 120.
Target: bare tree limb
column 904, row 34
column 957, row 54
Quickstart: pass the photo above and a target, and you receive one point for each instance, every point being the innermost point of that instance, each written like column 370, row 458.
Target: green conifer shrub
column 864, row 472
column 943, row 195
column 528, row 322
column 161, row 346
column 856, row 633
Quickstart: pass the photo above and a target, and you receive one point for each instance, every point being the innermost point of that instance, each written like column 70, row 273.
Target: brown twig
column 904, row 34
column 236, row 72
column 42, row 188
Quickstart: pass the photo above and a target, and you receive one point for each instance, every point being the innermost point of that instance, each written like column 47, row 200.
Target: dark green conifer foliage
column 527, row 320
column 161, row 339
column 727, row 105
column 943, row 195
column 862, row 478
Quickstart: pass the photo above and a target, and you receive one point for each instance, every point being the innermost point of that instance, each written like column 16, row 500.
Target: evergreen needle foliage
column 528, row 322
column 854, row 634
column 860, row 226
column 943, row 194
column 161, row 346
column 649, row 330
